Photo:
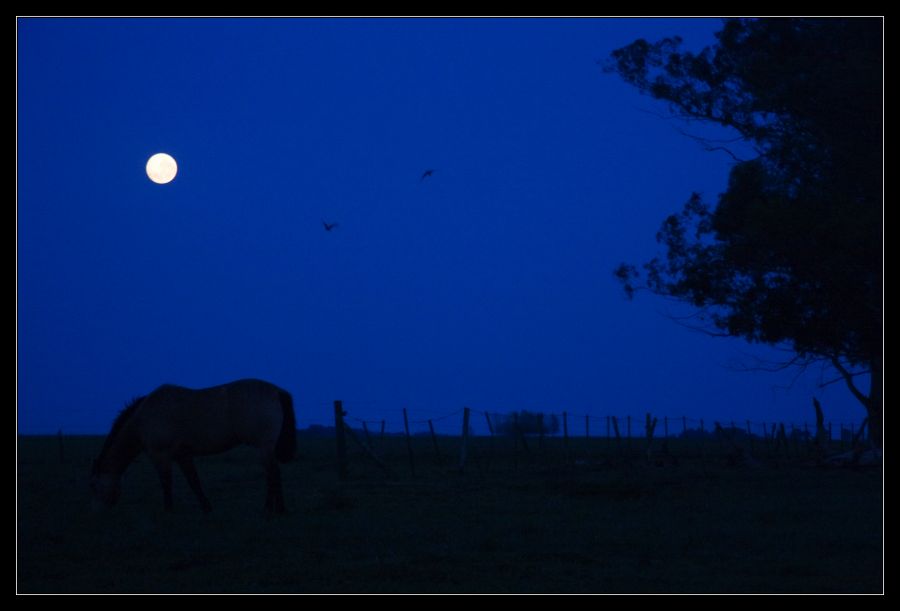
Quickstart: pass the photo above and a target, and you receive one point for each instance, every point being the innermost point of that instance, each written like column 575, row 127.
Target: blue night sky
column 488, row 284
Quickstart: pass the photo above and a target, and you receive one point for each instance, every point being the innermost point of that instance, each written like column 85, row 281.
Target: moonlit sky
column 488, row 284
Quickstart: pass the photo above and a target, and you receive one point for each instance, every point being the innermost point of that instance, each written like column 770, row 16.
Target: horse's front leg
column 164, row 470
column 190, row 473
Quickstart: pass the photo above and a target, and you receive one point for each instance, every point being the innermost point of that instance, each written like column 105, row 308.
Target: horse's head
column 105, row 487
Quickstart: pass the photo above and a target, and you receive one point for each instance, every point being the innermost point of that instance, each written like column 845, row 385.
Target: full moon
column 161, row 168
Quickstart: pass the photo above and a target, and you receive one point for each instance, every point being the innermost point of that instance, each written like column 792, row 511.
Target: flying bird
column 329, row 226
column 426, row 174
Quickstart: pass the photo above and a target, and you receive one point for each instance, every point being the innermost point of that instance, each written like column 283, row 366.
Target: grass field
column 603, row 524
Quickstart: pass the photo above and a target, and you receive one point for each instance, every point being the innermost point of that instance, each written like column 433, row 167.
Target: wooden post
column 340, row 440
column 515, row 441
column 615, row 424
column 412, row 462
column 649, row 429
column 487, row 417
column 491, row 447
column 629, row 432
column 464, row 446
column 59, row 438
column 702, row 441
column 540, row 423
column 437, row 452
column 366, row 432
column 521, row 433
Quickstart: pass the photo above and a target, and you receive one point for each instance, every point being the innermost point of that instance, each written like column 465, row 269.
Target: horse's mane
column 123, row 417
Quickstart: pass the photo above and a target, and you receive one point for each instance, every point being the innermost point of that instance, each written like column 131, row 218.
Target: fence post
column 59, row 437
column 629, row 432
column 366, row 432
column 540, row 423
column 340, row 439
column 615, row 424
column 437, row 452
column 702, row 441
column 650, row 428
column 750, row 437
column 491, row 431
column 465, row 440
column 515, row 441
column 566, row 434
column 409, row 450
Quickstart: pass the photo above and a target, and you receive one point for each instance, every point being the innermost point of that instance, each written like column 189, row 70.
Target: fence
column 577, row 438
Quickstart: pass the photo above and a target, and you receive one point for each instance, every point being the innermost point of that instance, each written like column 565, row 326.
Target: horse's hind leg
column 193, row 480
column 274, row 493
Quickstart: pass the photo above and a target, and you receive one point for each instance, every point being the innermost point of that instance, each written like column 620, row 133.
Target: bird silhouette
column 329, row 226
column 426, row 174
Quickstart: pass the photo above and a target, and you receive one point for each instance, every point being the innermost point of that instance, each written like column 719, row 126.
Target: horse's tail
column 287, row 438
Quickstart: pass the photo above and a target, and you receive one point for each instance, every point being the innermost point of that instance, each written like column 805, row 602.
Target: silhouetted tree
column 530, row 423
column 791, row 254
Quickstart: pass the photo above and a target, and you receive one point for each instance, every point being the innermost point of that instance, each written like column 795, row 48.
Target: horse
column 175, row 423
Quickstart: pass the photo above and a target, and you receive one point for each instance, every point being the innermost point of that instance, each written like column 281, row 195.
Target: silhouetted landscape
column 450, row 305
column 604, row 522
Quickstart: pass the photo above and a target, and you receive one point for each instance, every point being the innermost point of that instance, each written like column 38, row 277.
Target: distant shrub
column 530, row 423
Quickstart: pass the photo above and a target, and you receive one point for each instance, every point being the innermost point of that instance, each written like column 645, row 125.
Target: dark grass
column 604, row 522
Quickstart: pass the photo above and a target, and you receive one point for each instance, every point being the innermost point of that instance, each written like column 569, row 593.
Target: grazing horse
column 174, row 424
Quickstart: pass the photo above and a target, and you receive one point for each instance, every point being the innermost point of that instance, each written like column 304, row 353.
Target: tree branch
column 848, row 377
column 707, row 145
column 841, row 379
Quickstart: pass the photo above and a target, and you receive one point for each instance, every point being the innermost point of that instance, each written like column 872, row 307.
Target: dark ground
column 606, row 523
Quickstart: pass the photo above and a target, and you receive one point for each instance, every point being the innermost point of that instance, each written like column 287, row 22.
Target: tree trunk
column 875, row 404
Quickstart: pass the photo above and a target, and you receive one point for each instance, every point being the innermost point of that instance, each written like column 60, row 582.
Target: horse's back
column 214, row 419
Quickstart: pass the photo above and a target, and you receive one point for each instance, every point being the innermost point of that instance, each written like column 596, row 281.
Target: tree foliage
column 791, row 253
column 529, row 423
